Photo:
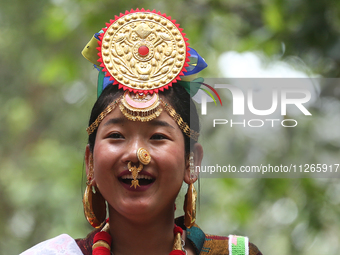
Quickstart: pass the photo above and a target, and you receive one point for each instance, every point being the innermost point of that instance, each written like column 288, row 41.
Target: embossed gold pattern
column 94, row 206
column 143, row 156
column 145, row 116
column 101, row 116
column 180, row 122
column 142, row 114
column 143, row 51
column 153, row 111
column 190, row 206
column 134, row 172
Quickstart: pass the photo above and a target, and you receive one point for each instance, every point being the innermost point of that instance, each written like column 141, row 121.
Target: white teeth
column 127, row 177
column 144, row 177
column 140, row 176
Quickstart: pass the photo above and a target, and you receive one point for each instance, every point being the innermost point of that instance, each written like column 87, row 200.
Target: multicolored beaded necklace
column 102, row 242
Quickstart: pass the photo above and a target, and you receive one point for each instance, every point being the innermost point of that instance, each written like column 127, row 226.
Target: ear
column 198, row 156
column 88, row 159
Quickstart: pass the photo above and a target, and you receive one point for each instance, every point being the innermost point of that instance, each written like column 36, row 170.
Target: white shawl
column 63, row 244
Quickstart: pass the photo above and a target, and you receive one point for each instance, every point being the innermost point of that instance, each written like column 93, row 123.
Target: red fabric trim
column 104, row 236
column 178, row 229
column 101, row 251
column 177, row 252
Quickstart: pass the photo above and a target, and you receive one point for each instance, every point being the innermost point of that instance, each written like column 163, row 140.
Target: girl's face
column 116, row 144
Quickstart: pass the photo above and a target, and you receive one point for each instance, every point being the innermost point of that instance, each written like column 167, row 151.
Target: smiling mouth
column 142, row 179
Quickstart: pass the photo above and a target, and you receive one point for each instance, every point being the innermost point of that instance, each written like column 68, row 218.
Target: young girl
column 142, row 145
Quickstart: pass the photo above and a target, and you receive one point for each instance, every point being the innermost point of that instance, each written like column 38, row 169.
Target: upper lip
column 127, row 172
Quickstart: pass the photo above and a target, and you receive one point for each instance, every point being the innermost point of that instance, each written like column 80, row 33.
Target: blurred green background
column 47, row 90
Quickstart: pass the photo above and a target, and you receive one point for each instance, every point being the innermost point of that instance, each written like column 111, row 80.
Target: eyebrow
column 153, row 122
column 160, row 123
column 115, row 121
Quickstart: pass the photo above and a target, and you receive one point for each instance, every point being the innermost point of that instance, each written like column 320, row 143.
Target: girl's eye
column 115, row 136
column 158, row 137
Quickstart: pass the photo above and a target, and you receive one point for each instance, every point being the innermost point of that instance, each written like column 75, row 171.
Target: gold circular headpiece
column 143, row 51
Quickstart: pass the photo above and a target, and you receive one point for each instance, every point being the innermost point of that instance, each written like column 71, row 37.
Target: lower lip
column 138, row 188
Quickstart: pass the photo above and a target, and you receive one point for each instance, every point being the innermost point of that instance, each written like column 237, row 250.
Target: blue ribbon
column 196, row 63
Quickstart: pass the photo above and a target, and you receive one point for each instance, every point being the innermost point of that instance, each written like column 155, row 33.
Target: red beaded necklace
column 102, row 242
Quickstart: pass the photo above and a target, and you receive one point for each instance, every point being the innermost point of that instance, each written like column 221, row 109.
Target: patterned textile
column 60, row 245
column 238, row 245
column 86, row 244
column 204, row 244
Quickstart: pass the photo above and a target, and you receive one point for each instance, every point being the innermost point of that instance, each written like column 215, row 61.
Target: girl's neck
column 149, row 236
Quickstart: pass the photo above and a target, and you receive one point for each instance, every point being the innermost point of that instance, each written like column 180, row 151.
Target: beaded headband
column 143, row 53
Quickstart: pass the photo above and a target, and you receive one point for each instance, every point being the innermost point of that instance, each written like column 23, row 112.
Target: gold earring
column 192, row 167
column 94, row 203
column 190, row 206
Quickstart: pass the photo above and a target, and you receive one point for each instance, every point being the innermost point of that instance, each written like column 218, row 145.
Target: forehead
column 116, row 117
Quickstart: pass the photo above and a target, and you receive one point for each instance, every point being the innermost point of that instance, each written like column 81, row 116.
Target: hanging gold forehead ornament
column 143, row 53
column 140, row 106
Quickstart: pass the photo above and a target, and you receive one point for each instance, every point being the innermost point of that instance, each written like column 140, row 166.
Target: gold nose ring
column 144, row 158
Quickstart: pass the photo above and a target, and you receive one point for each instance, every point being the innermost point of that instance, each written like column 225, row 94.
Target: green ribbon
column 192, row 86
column 101, row 76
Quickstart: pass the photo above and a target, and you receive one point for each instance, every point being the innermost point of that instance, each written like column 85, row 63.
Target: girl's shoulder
column 219, row 245
column 62, row 244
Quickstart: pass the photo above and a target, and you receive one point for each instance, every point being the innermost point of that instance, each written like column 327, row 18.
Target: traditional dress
column 144, row 53
column 204, row 244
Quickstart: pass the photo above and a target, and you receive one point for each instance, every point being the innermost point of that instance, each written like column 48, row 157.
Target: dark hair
column 176, row 95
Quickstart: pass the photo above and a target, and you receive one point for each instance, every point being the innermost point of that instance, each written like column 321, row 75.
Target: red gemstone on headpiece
column 143, row 50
